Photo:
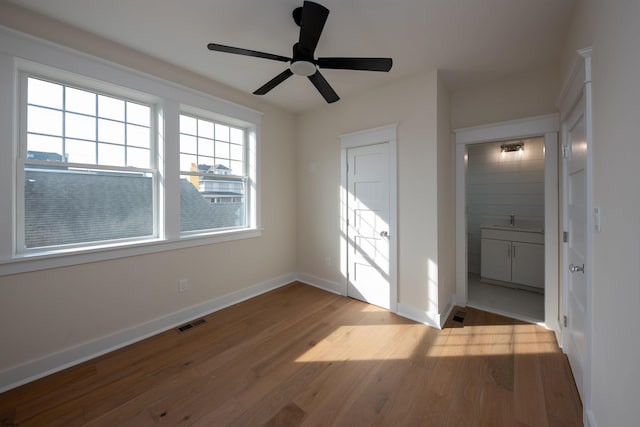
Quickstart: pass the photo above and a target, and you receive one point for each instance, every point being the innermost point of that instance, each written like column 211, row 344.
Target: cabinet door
column 495, row 260
column 527, row 264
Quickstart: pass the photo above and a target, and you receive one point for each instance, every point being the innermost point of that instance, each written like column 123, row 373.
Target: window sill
column 24, row 263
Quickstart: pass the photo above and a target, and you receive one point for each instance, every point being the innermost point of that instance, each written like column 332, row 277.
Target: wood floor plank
column 302, row 356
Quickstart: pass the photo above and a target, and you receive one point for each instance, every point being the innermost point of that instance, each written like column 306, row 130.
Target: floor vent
column 459, row 316
column 190, row 325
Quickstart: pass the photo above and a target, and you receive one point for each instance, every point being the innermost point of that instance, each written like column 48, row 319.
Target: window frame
column 24, row 54
column 246, row 177
column 22, row 161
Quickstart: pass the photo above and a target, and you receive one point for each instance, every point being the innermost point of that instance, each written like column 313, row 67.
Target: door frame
column 548, row 127
column 379, row 135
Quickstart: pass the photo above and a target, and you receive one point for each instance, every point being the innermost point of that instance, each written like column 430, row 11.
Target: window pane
column 237, row 168
column 110, row 108
column 138, row 157
column 236, row 152
column 188, row 163
column 65, row 207
column 112, row 155
column 222, row 132
column 188, row 125
column 220, row 203
column 41, row 147
column 237, row 136
column 223, row 162
column 222, row 149
column 44, row 120
column 205, row 163
column 80, row 101
column 44, row 93
column 205, row 129
column 205, row 147
column 188, row 144
column 138, row 114
column 78, row 126
column 110, row 131
column 80, row 151
column 138, row 136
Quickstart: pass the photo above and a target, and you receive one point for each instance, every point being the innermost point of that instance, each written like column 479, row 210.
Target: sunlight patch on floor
column 492, row 341
column 366, row 342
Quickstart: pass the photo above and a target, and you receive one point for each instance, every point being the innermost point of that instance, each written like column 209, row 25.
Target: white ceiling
column 471, row 41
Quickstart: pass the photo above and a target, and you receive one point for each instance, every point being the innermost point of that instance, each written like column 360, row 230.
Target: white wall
column 615, row 372
column 446, row 203
column 522, row 95
column 499, row 184
column 413, row 104
column 52, row 310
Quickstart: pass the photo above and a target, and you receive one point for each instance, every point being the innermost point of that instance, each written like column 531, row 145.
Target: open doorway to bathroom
column 505, row 227
column 512, row 132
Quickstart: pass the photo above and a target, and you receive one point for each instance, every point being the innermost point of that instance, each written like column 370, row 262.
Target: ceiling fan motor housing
column 303, row 68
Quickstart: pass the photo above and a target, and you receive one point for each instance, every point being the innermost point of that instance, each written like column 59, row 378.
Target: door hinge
column 565, row 236
column 565, row 321
column 565, row 151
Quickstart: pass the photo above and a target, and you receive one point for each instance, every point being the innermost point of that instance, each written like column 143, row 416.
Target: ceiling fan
column 311, row 18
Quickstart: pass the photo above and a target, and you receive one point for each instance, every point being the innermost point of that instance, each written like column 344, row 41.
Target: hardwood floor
column 302, row 356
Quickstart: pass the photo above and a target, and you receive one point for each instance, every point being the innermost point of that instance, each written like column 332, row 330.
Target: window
column 213, row 175
column 88, row 173
column 96, row 161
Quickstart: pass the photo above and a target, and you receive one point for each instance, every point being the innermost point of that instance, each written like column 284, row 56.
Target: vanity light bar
column 507, row 148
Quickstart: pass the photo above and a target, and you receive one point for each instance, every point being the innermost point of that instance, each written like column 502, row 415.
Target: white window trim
column 19, row 53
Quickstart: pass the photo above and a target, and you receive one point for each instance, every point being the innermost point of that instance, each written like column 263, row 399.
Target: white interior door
column 576, row 208
column 368, row 208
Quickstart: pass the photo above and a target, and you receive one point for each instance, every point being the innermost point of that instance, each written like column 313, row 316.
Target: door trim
column 547, row 126
column 380, row 135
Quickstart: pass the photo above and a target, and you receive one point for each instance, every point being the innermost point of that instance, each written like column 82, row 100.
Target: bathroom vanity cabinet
column 512, row 256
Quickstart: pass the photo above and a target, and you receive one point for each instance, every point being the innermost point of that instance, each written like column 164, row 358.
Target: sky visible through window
column 204, row 142
column 87, row 127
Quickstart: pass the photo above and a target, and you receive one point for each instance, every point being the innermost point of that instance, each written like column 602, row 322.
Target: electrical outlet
column 183, row 286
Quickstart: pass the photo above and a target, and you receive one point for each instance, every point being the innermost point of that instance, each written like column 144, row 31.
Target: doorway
column 505, row 227
column 368, row 216
column 547, row 128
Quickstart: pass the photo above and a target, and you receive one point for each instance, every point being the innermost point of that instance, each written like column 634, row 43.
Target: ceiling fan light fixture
column 303, row 68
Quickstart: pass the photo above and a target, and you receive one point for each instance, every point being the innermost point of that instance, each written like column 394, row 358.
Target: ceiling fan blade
column 324, row 87
column 246, row 52
column 312, row 22
column 274, row 82
column 365, row 64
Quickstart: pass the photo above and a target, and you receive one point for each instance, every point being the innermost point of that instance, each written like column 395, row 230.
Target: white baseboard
column 30, row 371
column 323, row 284
column 436, row 320
column 447, row 310
column 419, row 315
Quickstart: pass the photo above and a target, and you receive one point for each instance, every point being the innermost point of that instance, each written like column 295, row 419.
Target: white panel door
column 576, row 200
column 368, row 224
